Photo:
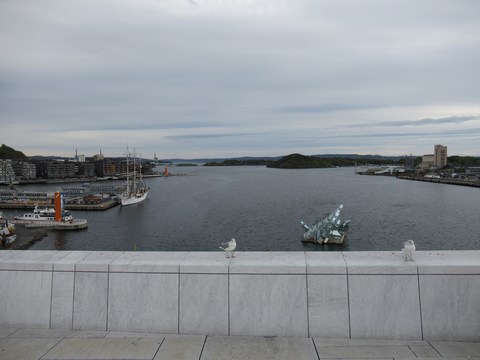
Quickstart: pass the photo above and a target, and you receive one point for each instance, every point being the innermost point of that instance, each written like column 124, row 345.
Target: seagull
column 229, row 247
column 408, row 250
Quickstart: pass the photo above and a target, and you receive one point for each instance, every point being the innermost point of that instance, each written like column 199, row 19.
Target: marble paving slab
column 181, row 348
column 47, row 333
column 424, row 351
column 4, row 332
column 258, row 348
column 123, row 334
column 367, row 342
column 103, row 349
column 18, row 349
column 351, row 352
column 457, row 348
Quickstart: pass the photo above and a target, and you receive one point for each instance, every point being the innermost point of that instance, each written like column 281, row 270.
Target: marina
column 54, row 218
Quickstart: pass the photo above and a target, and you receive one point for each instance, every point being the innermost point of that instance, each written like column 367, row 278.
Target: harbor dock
column 75, row 224
column 450, row 181
column 104, row 205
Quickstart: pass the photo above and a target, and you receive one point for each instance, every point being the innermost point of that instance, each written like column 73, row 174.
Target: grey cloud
column 472, row 131
column 323, row 108
column 426, row 121
column 212, row 136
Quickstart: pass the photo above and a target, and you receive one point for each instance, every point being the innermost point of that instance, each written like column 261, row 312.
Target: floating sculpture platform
column 328, row 230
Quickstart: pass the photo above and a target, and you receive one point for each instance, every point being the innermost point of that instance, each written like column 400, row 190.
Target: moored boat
column 44, row 214
column 135, row 189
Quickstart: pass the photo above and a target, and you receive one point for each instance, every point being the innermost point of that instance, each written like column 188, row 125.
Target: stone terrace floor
column 44, row 344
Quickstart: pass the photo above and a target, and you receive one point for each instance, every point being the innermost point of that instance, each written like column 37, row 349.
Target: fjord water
column 262, row 209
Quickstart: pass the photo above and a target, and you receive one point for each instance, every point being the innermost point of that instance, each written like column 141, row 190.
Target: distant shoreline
column 462, row 182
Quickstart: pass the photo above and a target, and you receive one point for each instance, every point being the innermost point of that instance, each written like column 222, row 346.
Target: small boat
column 7, row 233
column 135, row 189
column 44, row 214
column 328, row 230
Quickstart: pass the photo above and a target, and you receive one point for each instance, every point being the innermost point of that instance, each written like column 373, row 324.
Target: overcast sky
column 227, row 78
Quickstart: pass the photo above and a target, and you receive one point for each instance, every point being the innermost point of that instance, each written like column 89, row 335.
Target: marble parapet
column 300, row 294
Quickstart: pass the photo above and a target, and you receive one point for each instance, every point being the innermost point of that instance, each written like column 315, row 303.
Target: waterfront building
column 427, row 161
column 7, row 174
column 440, row 156
column 105, row 168
column 98, row 157
column 86, row 170
column 24, row 170
column 56, row 170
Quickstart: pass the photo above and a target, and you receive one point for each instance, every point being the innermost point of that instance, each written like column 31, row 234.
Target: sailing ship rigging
column 135, row 189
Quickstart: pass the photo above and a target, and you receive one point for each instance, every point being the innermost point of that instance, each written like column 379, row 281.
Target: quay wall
column 299, row 294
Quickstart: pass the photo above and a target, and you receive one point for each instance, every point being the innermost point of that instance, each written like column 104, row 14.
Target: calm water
column 262, row 209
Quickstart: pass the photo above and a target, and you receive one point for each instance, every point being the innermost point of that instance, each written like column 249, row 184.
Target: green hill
column 7, row 153
column 298, row 161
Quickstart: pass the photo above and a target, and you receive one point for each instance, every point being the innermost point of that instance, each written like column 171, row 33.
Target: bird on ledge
column 229, row 247
column 408, row 250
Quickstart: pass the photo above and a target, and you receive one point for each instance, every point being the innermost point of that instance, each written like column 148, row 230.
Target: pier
column 450, row 181
column 75, row 224
column 104, row 205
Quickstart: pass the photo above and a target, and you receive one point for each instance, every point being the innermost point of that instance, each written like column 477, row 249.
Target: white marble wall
column 449, row 284
column 302, row 294
column 328, row 308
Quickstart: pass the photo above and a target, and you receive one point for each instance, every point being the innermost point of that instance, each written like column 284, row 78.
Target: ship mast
column 128, row 172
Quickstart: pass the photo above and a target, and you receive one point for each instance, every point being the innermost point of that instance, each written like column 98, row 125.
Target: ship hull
column 134, row 199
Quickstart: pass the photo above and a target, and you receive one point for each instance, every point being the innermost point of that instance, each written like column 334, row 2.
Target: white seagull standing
column 229, row 247
column 408, row 250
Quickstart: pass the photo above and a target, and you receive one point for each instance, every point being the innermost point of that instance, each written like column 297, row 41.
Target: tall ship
column 135, row 189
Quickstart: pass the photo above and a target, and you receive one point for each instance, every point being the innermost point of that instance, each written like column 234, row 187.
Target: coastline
column 460, row 182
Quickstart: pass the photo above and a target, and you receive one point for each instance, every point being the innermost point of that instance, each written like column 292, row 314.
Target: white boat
column 44, row 214
column 135, row 189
